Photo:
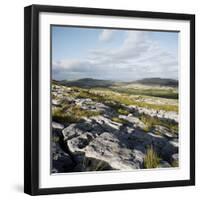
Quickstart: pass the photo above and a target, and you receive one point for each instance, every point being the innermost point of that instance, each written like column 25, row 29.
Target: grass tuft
column 151, row 159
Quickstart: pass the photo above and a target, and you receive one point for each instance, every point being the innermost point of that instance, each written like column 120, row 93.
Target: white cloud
column 106, row 35
column 138, row 57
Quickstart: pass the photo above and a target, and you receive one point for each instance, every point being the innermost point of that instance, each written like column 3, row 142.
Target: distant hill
column 158, row 81
column 87, row 83
column 90, row 82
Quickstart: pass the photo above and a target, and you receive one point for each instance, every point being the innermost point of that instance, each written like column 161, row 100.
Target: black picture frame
column 31, row 98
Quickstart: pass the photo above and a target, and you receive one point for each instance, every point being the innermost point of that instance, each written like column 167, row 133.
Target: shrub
column 151, row 159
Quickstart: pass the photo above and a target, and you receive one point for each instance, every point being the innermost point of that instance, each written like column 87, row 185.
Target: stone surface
column 164, row 131
column 56, row 102
column 161, row 114
column 62, row 161
column 109, row 140
column 136, row 122
column 56, row 125
column 175, row 159
column 109, row 149
column 117, row 149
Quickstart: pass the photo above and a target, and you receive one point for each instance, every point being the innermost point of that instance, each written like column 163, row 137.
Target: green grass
column 164, row 93
column 151, row 159
column 150, row 122
column 71, row 114
column 105, row 96
column 128, row 101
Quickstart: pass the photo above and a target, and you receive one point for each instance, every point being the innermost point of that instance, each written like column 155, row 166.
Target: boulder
column 108, row 148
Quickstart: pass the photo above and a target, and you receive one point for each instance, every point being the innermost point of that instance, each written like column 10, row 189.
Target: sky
column 113, row 54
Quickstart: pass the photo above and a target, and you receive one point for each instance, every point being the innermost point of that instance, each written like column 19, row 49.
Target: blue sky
column 113, row 54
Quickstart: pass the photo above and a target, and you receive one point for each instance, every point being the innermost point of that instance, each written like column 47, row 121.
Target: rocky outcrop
column 161, row 114
column 109, row 148
column 164, row 131
column 99, row 140
column 135, row 121
column 110, row 139
column 88, row 104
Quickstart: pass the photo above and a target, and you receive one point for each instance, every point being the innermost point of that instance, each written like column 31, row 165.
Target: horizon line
column 114, row 80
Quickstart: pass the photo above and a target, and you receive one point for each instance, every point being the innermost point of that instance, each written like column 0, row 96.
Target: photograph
column 114, row 99
column 109, row 99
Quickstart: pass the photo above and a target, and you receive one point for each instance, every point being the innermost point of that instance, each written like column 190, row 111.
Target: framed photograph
column 109, row 99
